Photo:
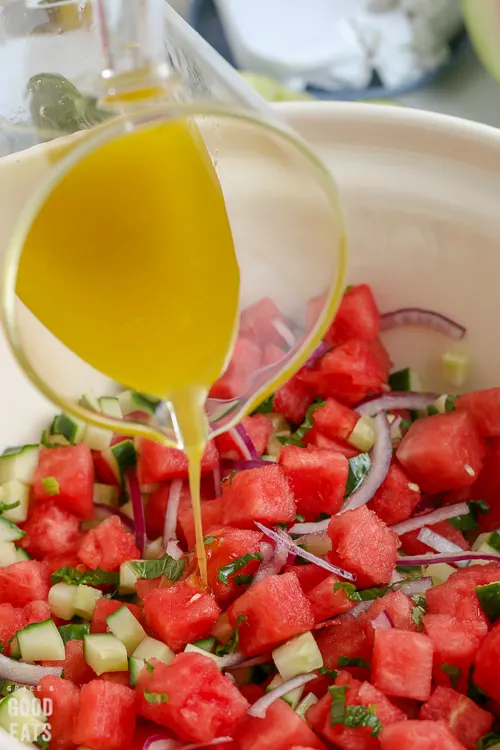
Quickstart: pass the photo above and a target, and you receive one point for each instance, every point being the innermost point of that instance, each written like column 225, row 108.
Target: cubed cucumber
column 120, row 457
column 62, row 600
column 85, row 601
column 73, row 430
column 363, row 435
column 97, row 438
column 150, row 648
column 131, row 401
column 127, row 628
column 41, row 641
column 293, row 697
column 440, row 404
column 456, row 368
column 106, row 494
column 110, row 406
column 194, row 649
column 135, row 667
column 19, row 463
column 8, row 554
column 21, row 554
column 488, row 543
column 90, row 401
column 15, row 651
column 489, row 599
column 11, row 493
column 9, row 532
column 128, row 510
column 104, row 652
column 206, row 644
column 305, row 704
column 439, row 572
column 52, row 441
column 21, row 716
column 297, row 656
column 128, row 578
column 154, row 549
column 405, row 380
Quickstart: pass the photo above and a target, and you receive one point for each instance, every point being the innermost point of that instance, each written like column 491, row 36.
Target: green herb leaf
column 8, row 506
column 51, row 485
column 208, row 540
column 328, row 672
column 337, row 710
column 232, row 644
column 489, row 599
column 42, row 742
column 474, row 692
column 98, row 577
column 405, row 425
column 150, row 668
column 468, row 522
column 229, row 478
column 489, row 740
column 266, row 406
column 494, row 540
column 432, row 410
column 453, row 672
column 74, row 632
column 363, row 716
column 155, row 697
column 299, row 518
column 349, row 589
column 449, row 404
column 346, row 661
column 364, row 595
column 162, row 566
column 401, row 380
column 359, row 466
column 417, row 615
column 242, row 580
column 308, row 423
column 224, row 573
column 420, row 601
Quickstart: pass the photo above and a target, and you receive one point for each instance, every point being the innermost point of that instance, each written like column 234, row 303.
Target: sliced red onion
column 283, row 539
column 157, row 742
column 259, row 708
column 172, row 512
column 106, row 511
column 25, row 674
column 244, row 443
column 395, row 427
column 273, row 565
column 230, row 465
column 173, row 549
column 429, row 519
column 319, row 352
column 396, row 577
column 359, row 608
column 415, row 586
column 396, row 400
column 381, row 462
column 310, row 528
column 412, row 560
column 284, row 332
column 230, row 661
column 252, row 662
column 439, row 543
column 141, row 539
column 416, row 316
column 217, row 480
column 382, row 621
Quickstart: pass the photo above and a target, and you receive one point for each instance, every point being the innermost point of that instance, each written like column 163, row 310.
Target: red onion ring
column 172, row 512
column 358, row 609
column 284, row 539
column 259, row 708
column 382, row 620
column 416, row 316
column 381, row 462
column 141, row 539
column 106, row 511
column 396, row 400
column 310, row 528
column 230, row 465
column 271, row 566
column 255, row 661
column 395, row 426
column 412, row 560
column 429, row 519
column 25, row 674
column 439, row 543
column 284, row 332
column 414, row 586
column 244, row 443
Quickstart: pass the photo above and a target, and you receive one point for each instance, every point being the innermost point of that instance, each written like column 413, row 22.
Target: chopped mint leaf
column 449, row 404
column 232, row 644
column 308, row 423
column 346, row 661
column 405, row 425
column 489, row 599
column 155, row 697
column 328, row 672
column 51, row 485
column 150, row 668
column 359, row 466
column 417, row 615
column 8, row 506
column 224, row 573
column 208, row 540
column 468, row 521
column 349, row 589
column 42, row 742
column 229, row 478
column 242, row 580
column 161, row 566
column 453, row 672
column 337, row 709
column 363, row 716
column 432, row 410
column 266, row 406
column 98, row 577
column 74, row 632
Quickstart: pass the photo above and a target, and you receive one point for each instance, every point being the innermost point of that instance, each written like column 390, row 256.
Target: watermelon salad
column 352, row 535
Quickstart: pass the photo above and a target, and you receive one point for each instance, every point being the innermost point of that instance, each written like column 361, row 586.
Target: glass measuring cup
column 287, row 231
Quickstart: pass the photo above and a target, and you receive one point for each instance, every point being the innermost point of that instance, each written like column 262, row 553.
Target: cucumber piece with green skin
column 297, row 656
column 41, row 641
column 489, row 599
column 21, row 716
column 292, row 698
column 19, row 463
column 21, row 554
column 110, row 406
column 90, row 401
column 15, row 651
column 8, row 554
column 154, row 549
column 132, row 401
column 12, row 493
column 150, row 648
column 121, row 457
column 128, row 578
column 62, row 600
column 404, row 380
column 126, row 628
column 135, row 667
column 363, row 435
column 106, row 494
column 97, row 438
column 191, row 648
column 85, row 601
column 73, row 430
column 9, row 532
column 206, row 644
column 104, row 652
column 305, row 704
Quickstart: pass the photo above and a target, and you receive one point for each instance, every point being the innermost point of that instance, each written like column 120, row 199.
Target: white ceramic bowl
column 421, row 195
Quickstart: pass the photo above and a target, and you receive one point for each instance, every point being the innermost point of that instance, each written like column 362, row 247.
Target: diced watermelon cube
column 275, row 609
column 50, row 530
column 413, row 546
column 53, row 563
column 258, row 495
column 106, row 716
column 105, row 607
column 335, row 420
column 487, row 659
column 36, row 611
column 309, row 575
column 158, row 463
column 349, row 373
column 104, row 472
column 317, row 478
column 318, row 440
column 398, row 606
column 442, row 452
column 119, row 678
column 24, row 582
column 108, row 546
column 467, row 721
column 229, row 544
column 477, row 575
column 237, row 379
column 258, row 428
column 457, row 598
column 347, row 638
column 487, row 486
column 294, row 399
column 202, row 704
column 257, row 322
column 62, row 698
column 357, row 317
column 280, row 729
column 484, row 409
column 397, row 496
column 73, row 469
column 326, row 602
column 364, row 545
column 212, row 515
column 251, row 691
column 156, row 507
column 418, row 735
column 402, row 663
column 75, row 668
column 180, row 614
column 12, row 619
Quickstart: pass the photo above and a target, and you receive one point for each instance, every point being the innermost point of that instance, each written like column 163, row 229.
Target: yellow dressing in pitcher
column 130, row 263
